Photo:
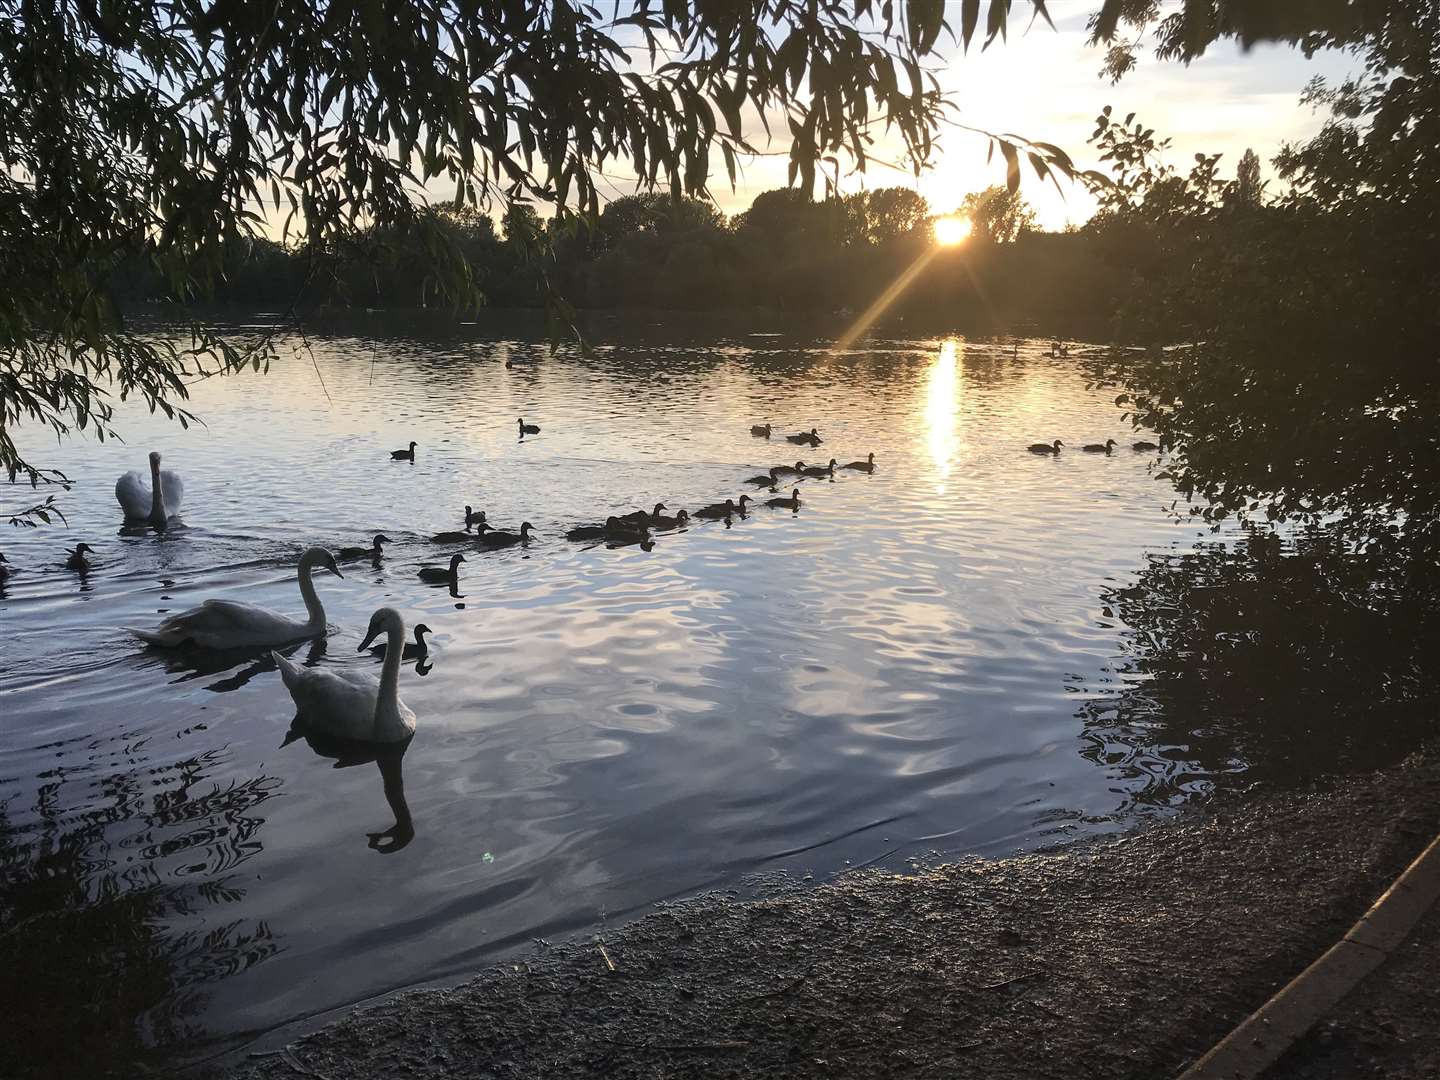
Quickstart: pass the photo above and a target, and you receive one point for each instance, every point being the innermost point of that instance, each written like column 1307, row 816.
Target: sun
column 950, row 231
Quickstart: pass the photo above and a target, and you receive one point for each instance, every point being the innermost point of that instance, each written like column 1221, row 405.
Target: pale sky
column 1045, row 84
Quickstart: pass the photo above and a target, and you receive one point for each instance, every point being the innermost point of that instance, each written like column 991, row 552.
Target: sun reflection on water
column 942, row 409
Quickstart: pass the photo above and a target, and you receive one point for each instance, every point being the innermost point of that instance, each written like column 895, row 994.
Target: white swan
column 355, row 704
column 229, row 624
column 156, row 502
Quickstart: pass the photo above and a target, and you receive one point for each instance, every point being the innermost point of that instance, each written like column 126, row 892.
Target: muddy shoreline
column 1121, row 957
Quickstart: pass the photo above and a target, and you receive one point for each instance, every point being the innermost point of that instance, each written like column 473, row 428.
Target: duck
column 374, row 551
column 812, row 437
column 792, row 503
column 497, row 538
column 765, row 479
column 594, row 532
column 404, row 455
column 416, row 650
column 760, row 430
column 440, row 574
column 473, row 517
column 1142, row 445
column 821, row 470
column 454, row 536
column 76, row 559
column 231, row 624
column 725, row 509
column 354, row 704
column 868, row 465
column 624, row 537
column 528, row 429
column 679, row 521
column 1108, row 446
column 5, row 570
column 641, row 517
column 1046, row 448
column 154, row 503
column 796, row 469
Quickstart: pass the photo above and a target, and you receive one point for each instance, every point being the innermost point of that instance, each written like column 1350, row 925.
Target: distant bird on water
column 725, row 509
column 1107, row 447
column 404, row 455
column 496, row 538
column 796, row 469
column 155, row 503
column 765, row 479
column 374, row 551
column 1046, row 448
column 792, row 503
column 812, row 437
column 640, row 517
column 821, row 470
column 761, row 430
column 660, row 521
column 1143, row 445
column 474, row 517
column 77, row 560
column 528, row 429
column 868, row 465
column 440, row 574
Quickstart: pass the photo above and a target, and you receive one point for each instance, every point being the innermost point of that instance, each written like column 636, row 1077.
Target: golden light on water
column 951, row 230
column 942, row 409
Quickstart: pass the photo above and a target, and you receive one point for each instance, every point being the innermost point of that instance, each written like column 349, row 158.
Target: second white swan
column 156, row 502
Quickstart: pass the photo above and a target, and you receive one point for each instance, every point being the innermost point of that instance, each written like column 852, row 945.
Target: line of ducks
column 1107, row 447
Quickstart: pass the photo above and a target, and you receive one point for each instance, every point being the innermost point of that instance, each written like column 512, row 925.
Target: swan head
column 318, row 556
column 380, row 623
column 154, row 460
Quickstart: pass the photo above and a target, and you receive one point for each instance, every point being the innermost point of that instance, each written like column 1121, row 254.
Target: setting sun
column 950, row 231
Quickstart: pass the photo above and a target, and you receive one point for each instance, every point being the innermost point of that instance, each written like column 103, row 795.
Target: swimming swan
column 156, row 502
column 355, row 704
column 230, row 624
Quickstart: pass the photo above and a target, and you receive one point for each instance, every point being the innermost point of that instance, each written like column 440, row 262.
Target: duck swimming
column 354, row 704
column 1108, row 446
column 454, row 536
column 792, row 503
column 725, row 509
column 1143, row 445
column 440, row 574
column 374, row 551
column 5, row 570
column 660, row 521
column 1046, row 448
column 76, row 559
column 495, row 538
column 474, row 517
column 404, row 455
column 528, row 429
column 154, row 503
column 868, row 465
column 230, row 624
column 641, row 517
column 760, row 430
column 795, row 470
column 594, row 532
column 812, row 437
column 821, row 470
column 765, row 479
column 413, row 650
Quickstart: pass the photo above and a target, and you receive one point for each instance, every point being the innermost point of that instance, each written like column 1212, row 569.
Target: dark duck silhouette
column 761, row 430
column 473, row 517
column 374, row 551
column 769, row 479
column 725, row 509
column 812, row 437
column 404, row 455
column 789, row 470
column 1144, row 445
column 660, row 521
column 76, row 559
column 640, row 517
column 498, row 538
column 1108, row 446
column 441, row 574
column 820, row 470
column 528, row 429
column 792, row 503
column 1046, row 448
column 413, row 650
column 868, row 465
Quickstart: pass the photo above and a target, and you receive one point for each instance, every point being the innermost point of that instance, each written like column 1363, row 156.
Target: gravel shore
column 1118, row 958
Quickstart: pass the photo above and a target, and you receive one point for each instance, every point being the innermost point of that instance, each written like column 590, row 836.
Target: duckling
column 787, row 470
column 640, row 517
column 792, row 503
column 1107, row 447
column 725, row 509
column 812, row 437
column 679, row 521
column 411, row 651
column 473, row 517
column 765, row 479
column 404, row 455
column 528, row 429
column 497, row 538
column 1143, row 445
column 1046, row 448
column 77, row 560
column 821, row 470
column 761, row 430
column 868, row 465
column 374, row 551
column 440, row 574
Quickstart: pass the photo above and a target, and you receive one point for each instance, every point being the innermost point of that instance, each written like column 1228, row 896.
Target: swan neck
column 314, row 610
column 157, row 493
column 388, row 701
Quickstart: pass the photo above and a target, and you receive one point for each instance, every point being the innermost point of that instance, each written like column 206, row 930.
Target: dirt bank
column 1119, row 958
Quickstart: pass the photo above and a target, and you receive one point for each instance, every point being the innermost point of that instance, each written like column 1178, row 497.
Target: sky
column 1045, row 84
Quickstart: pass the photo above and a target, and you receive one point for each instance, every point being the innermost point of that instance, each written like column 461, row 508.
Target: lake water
column 930, row 661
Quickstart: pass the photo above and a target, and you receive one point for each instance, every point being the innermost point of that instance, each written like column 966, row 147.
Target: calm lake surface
column 927, row 662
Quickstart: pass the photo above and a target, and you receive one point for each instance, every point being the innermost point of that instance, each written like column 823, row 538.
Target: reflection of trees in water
column 95, row 882
column 1284, row 662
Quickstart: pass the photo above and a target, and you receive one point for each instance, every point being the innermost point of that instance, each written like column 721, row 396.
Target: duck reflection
column 388, row 757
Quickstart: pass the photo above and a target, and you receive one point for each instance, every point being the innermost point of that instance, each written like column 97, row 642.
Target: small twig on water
column 608, row 962
column 1006, row 983
column 791, row 985
column 734, row 1044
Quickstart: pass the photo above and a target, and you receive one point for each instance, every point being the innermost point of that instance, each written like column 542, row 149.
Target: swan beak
column 371, row 636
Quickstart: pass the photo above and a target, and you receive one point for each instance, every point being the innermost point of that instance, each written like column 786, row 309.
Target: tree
column 164, row 131
column 997, row 215
column 885, row 214
column 1247, row 180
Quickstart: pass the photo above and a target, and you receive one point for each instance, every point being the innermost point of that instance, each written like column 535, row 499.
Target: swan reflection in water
column 388, row 757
